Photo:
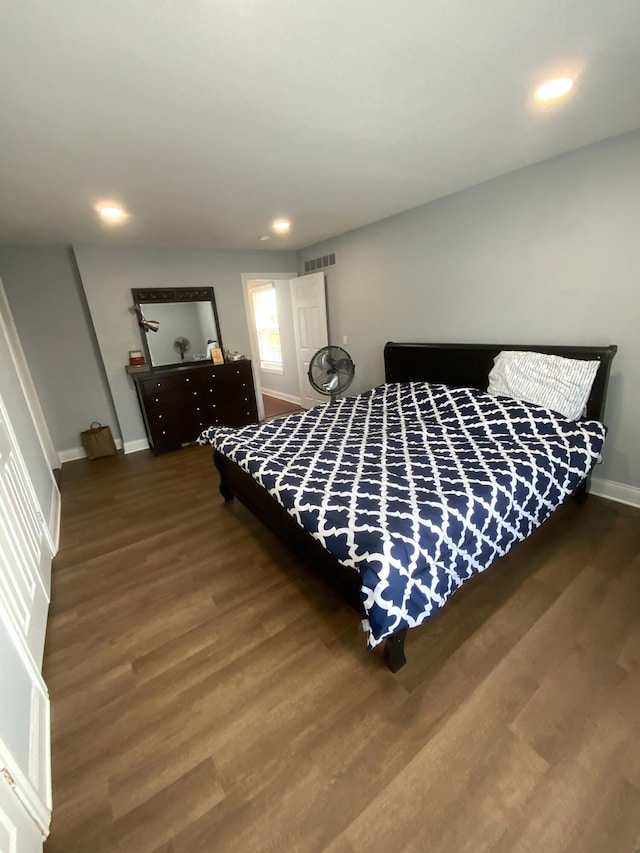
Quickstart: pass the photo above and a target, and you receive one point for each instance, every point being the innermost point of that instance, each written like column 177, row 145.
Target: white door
column 24, row 738
column 18, row 831
column 25, row 562
column 309, row 304
column 29, row 523
column 25, row 553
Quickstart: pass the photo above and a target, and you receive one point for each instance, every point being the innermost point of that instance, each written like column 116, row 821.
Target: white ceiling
column 208, row 118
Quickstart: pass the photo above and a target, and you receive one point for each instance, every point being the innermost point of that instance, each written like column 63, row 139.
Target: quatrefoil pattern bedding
column 416, row 486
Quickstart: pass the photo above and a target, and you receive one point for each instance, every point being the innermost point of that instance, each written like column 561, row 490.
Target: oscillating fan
column 182, row 346
column 331, row 371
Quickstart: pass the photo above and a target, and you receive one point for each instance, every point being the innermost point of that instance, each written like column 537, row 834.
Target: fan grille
column 331, row 371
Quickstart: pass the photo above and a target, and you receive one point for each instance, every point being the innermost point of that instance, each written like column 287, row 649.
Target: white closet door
column 24, row 728
column 25, row 554
column 25, row 560
column 18, row 831
column 29, row 520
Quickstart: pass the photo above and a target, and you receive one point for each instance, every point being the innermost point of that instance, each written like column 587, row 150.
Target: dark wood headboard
column 468, row 365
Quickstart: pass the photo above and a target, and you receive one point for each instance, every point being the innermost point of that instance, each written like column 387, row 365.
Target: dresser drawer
column 161, row 384
column 172, row 429
column 240, row 412
column 164, row 400
column 240, row 371
column 172, row 419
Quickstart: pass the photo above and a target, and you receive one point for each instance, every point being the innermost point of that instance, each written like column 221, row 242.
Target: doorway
column 286, row 317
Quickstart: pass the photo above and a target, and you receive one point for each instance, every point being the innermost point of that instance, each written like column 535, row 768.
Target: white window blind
column 265, row 315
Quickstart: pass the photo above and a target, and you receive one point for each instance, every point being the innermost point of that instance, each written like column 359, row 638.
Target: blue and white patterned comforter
column 416, row 486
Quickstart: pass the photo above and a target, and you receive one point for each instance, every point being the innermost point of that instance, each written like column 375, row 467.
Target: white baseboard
column 129, row 447
column 290, row 398
column 78, row 452
column 619, row 492
column 135, row 446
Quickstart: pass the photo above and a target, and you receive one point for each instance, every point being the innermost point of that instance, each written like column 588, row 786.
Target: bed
column 399, row 495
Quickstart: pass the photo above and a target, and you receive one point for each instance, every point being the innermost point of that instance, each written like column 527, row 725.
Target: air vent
column 320, row 263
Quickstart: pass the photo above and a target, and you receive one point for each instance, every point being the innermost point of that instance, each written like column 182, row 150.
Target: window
column 265, row 316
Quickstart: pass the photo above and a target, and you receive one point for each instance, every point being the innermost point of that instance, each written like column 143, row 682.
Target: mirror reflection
column 188, row 325
column 186, row 333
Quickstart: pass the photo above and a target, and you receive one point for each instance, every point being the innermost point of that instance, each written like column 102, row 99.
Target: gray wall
column 52, row 318
column 108, row 274
column 550, row 253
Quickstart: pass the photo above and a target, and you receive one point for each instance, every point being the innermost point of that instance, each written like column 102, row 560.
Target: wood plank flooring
column 209, row 693
column 276, row 406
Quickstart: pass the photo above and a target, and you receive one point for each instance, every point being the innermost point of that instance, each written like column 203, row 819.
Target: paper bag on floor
column 98, row 441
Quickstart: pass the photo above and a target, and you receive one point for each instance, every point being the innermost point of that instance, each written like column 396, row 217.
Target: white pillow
column 551, row 381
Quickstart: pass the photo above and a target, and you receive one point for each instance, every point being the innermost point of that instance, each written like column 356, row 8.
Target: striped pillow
column 550, row 381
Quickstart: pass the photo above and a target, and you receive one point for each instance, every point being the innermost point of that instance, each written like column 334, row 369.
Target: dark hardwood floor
column 275, row 406
column 209, row 693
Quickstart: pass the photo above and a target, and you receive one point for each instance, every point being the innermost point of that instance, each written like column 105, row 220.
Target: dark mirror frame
column 143, row 296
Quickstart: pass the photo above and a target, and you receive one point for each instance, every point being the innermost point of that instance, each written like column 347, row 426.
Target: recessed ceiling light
column 282, row 226
column 111, row 212
column 264, row 237
column 554, row 88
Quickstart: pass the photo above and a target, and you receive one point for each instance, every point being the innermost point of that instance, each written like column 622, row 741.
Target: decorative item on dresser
column 178, row 403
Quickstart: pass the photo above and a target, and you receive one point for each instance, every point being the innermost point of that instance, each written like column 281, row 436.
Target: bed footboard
column 225, row 486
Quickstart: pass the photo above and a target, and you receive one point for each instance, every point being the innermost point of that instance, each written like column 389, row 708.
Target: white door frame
column 26, row 380
column 253, row 338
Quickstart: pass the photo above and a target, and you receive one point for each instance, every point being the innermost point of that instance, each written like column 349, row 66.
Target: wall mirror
column 187, row 321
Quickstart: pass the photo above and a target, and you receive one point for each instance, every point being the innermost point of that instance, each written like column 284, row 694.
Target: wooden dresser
column 179, row 402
